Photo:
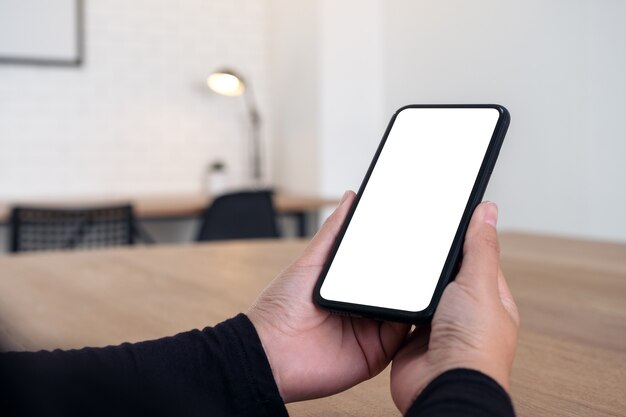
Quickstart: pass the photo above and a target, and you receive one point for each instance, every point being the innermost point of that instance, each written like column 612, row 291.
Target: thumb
column 481, row 251
column 317, row 250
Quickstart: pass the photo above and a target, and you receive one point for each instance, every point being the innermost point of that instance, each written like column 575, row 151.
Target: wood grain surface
column 571, row 358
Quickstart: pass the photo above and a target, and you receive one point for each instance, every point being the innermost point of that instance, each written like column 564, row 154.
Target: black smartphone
column 402, row 241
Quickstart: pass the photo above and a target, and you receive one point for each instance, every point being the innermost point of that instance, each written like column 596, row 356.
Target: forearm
column 216, row 371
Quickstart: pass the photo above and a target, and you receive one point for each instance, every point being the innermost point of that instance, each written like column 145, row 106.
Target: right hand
column 475, row 325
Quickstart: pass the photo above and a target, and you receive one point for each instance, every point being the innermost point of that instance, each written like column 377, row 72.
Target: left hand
column 313, row 353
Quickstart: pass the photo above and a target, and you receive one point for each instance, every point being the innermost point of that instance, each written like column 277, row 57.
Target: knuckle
column 513, row 311
column 515, row 314
column 490, row 240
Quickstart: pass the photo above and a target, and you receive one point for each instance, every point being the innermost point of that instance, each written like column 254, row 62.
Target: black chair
column 242, row 215
column 37, row 228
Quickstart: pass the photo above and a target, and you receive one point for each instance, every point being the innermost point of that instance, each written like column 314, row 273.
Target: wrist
column 268, row 347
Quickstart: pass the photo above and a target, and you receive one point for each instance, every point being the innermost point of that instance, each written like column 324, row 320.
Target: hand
column 474, row 326
column 311, row 352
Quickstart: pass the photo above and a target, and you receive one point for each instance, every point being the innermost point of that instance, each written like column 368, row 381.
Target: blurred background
column 108, row 100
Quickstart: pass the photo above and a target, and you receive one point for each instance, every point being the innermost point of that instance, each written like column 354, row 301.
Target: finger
column 417, row 342
column 507, row 298
column 422, row 336
column 392, row 335
column 481, row 251
column 378, row 341
column 317, row 250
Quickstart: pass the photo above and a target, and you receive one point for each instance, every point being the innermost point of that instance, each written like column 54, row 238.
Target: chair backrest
column 242, row 215
column 37, row 228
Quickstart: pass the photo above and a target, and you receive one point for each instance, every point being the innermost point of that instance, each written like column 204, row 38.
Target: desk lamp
column 228, row 83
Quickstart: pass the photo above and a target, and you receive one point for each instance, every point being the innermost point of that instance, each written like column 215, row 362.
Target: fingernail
column 491, row 214
column 344, row 198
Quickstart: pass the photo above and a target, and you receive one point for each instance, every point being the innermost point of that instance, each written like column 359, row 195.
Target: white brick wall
column 137, row 117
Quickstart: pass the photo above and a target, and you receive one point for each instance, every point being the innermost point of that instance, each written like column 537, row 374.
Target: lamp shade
column 226, row 83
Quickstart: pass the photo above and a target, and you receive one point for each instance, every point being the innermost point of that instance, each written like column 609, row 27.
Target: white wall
column 559, row 67
column 328, row 92
column 295, row 60
column 137, row 117
column 352, row 115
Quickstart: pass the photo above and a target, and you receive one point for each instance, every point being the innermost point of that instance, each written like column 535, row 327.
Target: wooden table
column 182, row 206
column 571, row 359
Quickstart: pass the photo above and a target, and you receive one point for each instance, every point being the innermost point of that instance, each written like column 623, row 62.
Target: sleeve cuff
column 252, row 375
column 461, row 392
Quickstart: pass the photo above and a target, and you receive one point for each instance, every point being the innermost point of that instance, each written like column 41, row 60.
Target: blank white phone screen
column 396, row 245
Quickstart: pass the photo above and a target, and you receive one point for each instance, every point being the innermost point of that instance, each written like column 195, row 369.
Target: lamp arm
column 255, row 119
column 251, row 106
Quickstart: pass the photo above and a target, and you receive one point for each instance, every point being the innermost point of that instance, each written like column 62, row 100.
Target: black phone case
column 453, row 260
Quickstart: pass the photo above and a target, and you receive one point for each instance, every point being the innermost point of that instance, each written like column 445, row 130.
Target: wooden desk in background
column 185, row 206
column 571, row 359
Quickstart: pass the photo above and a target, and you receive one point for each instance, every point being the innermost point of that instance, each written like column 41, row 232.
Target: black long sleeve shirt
column 219, row 371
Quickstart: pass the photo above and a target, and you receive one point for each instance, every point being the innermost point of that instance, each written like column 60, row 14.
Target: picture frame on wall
column 42, row 32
